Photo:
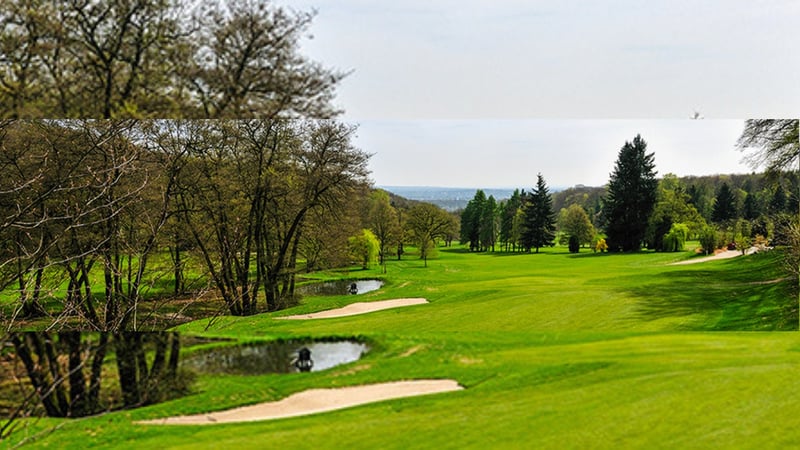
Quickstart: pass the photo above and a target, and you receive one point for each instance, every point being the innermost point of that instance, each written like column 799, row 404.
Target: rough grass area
column 555, row 351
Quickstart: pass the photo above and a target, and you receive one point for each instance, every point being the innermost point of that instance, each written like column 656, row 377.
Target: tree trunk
column 126, row 367
column 58, row 385
column 142, row 385
column 23, row 343
column 180, row 285
column 87, row 303
column 160, row 358
column 97, row 371
column 174, row 354
column 44, row 357
column 111, row 303
column 77, row 384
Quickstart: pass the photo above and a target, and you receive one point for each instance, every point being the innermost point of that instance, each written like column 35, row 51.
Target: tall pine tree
column 540, row 220
column 631, row 196
column 471, row 221
column 488, row 227
column 509, row 212
column 777, row 203
column 725, row 205
column 750, row 209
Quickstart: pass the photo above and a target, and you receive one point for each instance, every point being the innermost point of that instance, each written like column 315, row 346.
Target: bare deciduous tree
column 776, row 143
column 248, row 192
column 158, row 58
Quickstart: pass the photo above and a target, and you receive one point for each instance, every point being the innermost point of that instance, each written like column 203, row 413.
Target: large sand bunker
column 358, row 308
column 315, row 401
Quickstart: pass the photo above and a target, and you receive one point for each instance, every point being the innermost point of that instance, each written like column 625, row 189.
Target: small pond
column 273, row 357
column 340, row 287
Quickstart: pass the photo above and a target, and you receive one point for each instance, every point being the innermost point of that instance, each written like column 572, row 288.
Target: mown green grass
column 555, row 351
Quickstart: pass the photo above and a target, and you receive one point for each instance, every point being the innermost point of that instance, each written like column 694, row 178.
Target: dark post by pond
column 304, row 362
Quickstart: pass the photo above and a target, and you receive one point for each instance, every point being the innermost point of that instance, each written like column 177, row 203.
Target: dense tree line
column 754, row 194
column 775, row 145
column 91, row 208
column 720, row 210
column 391, row 223
column 523, row 222
column 637, row 210
column 86, row 197
column 589, row 198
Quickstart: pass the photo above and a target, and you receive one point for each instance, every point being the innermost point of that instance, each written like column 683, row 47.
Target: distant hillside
column 701, row 189
column 450, row 199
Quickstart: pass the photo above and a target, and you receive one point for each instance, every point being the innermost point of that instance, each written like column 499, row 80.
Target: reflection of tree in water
column 65, row 369
column 245, row 359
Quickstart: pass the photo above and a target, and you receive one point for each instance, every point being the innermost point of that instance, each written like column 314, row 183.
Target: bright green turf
column 555, row 350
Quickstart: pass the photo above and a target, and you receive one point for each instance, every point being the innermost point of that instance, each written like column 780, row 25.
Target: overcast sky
column 509, row 153
column 455, row 84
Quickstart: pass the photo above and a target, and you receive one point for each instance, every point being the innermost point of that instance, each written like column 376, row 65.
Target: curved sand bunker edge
column 357, row 308
column 315, row 401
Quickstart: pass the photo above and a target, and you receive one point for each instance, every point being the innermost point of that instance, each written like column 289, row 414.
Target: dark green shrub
column 574, row 244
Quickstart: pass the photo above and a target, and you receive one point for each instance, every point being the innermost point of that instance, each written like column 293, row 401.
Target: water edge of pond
column 340, row 287
column 273, row 357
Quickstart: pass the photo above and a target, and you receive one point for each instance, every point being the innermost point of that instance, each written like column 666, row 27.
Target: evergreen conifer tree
column 725, row 205
column 471, row 221
column 508, row 210
column 750, row 209
column 540, row 221
column 778, row 202
column 631, row 196
column 488, row 226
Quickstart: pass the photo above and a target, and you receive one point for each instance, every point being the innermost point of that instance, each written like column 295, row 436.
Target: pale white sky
column 509, row 153
column 440, row 82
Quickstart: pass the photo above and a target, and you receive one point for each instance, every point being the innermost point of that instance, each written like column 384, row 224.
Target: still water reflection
column 340, row 287
column 273, row 357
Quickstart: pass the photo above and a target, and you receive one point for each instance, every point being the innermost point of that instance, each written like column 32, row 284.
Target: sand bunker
column 315, row 401
column 358, row 308
column 721, row 255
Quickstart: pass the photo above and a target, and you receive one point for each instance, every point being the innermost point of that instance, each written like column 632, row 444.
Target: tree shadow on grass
column 455, row 250
column 746, row 295
column 466, row 251
column 542, row 253
column 589, row 254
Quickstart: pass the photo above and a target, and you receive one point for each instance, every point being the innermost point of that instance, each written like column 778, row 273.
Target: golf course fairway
column 553, row 350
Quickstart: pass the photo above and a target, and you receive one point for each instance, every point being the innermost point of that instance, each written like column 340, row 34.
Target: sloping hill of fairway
column 554, row 350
